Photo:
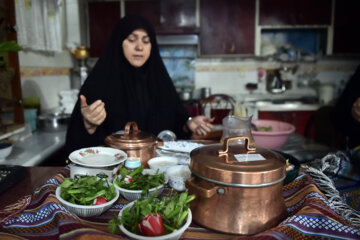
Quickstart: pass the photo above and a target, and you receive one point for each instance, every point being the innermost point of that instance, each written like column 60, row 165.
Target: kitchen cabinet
column 346, row 25
column 298, row 118
column 294, row 12
column 227, row 27
column 10, row 86
column 166, row 16
column 103, row 16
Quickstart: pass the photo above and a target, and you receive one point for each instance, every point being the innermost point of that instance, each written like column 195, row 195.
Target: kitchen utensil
column 171, row 236
column 274, row 82
column 53, row 122
column 136, row 143
column 326, row 92
column 243, row 182
column 274, row 138
column 86, row 211
column 80, row 52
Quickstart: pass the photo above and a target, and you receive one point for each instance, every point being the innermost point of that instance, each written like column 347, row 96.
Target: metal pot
column 185, row 95
column 53, row 122
column 135, row 143
column 238, row 188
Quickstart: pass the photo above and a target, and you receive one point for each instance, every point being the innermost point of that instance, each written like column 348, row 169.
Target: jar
column 132, row 163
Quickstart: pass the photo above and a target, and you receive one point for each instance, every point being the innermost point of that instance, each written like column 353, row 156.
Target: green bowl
column 291, row 175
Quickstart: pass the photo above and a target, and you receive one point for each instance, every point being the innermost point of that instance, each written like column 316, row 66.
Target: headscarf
column 145, row 95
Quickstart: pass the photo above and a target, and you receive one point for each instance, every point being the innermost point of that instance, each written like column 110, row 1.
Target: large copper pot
column 238, row 188
column 136, row 143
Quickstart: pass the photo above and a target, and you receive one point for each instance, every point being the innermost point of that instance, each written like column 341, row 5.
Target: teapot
column 80, row 52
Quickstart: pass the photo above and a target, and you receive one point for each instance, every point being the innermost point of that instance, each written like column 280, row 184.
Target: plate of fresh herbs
column 140, row 182
column 165, row 217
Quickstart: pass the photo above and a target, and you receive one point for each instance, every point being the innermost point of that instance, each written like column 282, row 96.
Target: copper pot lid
column 238, row 165
column 131, row 139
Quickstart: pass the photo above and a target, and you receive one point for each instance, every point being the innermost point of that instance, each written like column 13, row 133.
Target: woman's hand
column 200, row 125
column 355, row 111
column 93, row 115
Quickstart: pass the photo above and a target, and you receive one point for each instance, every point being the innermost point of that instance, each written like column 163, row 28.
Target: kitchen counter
column 34, row 149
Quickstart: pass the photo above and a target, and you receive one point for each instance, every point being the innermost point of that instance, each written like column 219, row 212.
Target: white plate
column 98, row 156
column 180, row 146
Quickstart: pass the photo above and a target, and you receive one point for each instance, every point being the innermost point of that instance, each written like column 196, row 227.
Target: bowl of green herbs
column 139, row 183
column 87, row 196
column 155, row 217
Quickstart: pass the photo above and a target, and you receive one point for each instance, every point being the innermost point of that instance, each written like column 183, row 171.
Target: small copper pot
column 238, row 187
column 135, row 143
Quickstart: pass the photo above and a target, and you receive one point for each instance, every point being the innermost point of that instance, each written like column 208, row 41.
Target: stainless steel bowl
column 53, row 122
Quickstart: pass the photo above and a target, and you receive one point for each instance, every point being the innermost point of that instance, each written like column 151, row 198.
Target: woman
column 346, row 112
column 129, row 83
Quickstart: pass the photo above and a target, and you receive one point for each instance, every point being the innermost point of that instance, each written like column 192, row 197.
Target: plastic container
column 274, row 139
column 132, row 163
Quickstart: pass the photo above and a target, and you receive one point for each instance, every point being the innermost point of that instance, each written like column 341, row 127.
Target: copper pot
column 135, row 143
column 238, row 188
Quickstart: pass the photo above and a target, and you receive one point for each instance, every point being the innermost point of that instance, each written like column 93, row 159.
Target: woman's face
column 137, row 47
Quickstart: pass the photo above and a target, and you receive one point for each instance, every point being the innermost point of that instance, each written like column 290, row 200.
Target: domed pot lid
column 238, row 165
column 130, row 139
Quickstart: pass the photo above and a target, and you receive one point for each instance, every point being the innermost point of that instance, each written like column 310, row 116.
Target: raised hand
column 355, row 111
column 200, row 125
column 93, row 115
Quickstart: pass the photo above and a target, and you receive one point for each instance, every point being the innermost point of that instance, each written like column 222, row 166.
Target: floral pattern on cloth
column 309, row 217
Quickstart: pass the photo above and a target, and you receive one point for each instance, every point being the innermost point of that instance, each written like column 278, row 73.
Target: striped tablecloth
column 41, row 216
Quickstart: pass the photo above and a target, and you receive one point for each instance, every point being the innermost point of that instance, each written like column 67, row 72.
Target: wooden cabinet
column 227, row 27
column 346, row 26
column 298, row 118
column 10, row 85
column 167, row 16
column 103, row 17
column 294, row 12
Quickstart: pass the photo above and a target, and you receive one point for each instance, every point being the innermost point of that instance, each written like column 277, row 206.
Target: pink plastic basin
column 274, row 139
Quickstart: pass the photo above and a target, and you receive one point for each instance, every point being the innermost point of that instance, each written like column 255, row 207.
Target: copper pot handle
column 206, row 193
column 128, row 126
column 231, row 139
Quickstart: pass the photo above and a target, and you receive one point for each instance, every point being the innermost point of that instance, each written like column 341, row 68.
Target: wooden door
column 8, row 33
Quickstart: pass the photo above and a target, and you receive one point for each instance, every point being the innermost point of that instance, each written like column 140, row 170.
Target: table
column 42, row 217
column 35, row 177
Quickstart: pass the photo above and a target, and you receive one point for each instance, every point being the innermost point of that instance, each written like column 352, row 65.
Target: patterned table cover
column 41, row 216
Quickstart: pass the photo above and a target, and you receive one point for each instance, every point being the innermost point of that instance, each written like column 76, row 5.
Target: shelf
column 11, row 130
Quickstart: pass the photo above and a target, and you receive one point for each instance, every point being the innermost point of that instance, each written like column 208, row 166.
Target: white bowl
column 5, row 150
column 162, row 163
column 86, row 211
column 132, row 195
column 171, row 236
column 177, row 175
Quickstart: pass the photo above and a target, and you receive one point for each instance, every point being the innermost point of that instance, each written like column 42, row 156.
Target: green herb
column 84, row 190
column 173, row 210
column 139, row 181
column 264, row 129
